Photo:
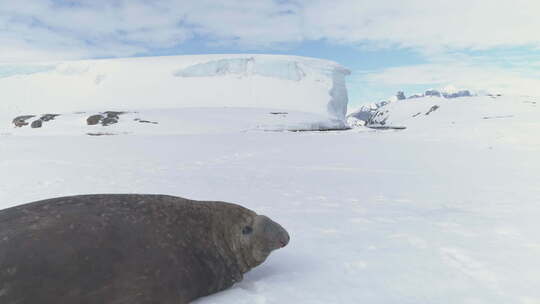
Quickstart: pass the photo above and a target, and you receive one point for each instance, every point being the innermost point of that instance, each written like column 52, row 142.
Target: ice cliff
column 252, row 81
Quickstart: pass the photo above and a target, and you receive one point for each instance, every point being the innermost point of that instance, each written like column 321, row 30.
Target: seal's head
column 259, row 237
column 251, row 237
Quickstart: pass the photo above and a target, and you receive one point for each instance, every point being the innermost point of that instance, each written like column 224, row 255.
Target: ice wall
column 281, row 69
column 262, row 81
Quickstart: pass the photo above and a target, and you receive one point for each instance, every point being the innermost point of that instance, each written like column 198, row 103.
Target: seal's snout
column 276, row 236
column 284, row 243
column 284, row 239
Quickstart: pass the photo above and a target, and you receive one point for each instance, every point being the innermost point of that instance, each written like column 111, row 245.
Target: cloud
column 443, row 31
column 428, row 24
column 95, row 28
column 471, row 75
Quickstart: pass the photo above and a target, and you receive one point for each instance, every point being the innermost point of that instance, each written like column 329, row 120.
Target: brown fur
column 133, row 249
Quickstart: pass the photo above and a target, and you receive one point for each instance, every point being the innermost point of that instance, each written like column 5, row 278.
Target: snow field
column 436, row 213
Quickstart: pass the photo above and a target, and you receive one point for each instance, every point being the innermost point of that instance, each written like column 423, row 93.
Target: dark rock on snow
column 94, row 119
column 36, row 124
column 21, row 121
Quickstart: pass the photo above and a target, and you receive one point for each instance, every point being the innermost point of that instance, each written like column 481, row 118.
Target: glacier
column 282, row 69
column 288, row 83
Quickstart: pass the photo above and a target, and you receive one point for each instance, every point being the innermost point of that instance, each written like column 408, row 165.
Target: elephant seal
column 128, row 248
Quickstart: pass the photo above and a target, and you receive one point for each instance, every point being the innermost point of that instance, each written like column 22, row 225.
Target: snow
column 445, row 211
column 256, row 81
column 175, row 121
column 512, row 119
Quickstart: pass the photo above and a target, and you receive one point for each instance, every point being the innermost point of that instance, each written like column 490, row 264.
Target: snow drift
column 253, row 81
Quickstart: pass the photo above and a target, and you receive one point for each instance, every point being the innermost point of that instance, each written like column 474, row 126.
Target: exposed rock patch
column 379, row 118
column 432, row 109
column 36, row 124
column 44, row 118
column 48, row 117
column 447, row 95
column 94, row 119
column 99, row 134
column 113, row 113
column 21, row 121
column 433, row 93
column 146, row 121
column 387, row 127
column 107, row 121
column 106, row 118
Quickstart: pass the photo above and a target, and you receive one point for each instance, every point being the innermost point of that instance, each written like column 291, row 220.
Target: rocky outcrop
column 365, row 115
column 146, row 121
column 433, row 93
column 432, row 109
column 462, row 93
column 36, row 124
column 94, row 119
column 106, row 118
column 448, row 95
column 21, row 121
column 48, row 117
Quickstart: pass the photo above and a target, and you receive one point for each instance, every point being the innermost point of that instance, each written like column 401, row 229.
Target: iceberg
column 289, row 83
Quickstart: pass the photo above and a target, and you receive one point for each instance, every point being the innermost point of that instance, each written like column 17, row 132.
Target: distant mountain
column 441, row 93
column 369, row 114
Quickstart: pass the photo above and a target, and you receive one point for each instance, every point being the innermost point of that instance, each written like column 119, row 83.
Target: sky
column 389, row 45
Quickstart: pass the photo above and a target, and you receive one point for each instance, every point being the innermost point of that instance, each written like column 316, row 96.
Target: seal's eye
column 247, row 230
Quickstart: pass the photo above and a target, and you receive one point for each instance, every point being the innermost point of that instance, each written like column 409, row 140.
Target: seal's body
column 135, row 249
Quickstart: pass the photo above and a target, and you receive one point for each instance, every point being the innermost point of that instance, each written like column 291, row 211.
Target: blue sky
column 388, row 45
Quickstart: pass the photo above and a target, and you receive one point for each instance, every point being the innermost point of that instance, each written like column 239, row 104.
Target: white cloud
column 85, row 28
column 466, row 75
column 68, row 29
column 429, row 23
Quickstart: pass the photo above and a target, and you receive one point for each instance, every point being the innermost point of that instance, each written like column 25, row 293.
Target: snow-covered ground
column 445, row 211
column 171, row 121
